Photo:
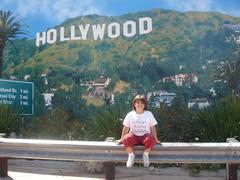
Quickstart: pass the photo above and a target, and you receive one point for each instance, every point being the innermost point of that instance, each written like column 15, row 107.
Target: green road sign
column 18, row 94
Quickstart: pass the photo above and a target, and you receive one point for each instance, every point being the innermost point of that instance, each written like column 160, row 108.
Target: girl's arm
column 124, row 132
column 154, row 133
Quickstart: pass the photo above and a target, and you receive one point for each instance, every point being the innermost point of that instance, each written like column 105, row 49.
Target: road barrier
column 110, row 153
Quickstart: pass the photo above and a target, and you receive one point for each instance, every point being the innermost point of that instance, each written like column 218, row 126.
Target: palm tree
column 105, row 124
column 10, row 28
column 229, row 72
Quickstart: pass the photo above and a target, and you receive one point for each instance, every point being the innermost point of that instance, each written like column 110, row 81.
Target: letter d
column 142, row 29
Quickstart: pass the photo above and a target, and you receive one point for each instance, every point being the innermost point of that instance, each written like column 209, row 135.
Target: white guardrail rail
column 109, row 153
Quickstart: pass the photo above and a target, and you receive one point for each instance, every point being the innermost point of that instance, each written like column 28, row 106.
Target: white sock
column 130, row 161
column 131, row 154
column 146, row 159
column 146, row 153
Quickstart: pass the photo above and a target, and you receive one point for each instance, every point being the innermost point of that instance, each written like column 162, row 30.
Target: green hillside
column 189, row 39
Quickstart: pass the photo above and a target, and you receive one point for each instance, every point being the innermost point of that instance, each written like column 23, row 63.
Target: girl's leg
column 129, row 141
column 129, row 150
column 148, row 142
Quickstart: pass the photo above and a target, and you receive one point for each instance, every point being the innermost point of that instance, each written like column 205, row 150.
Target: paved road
column 52, row 170
column 31, row 176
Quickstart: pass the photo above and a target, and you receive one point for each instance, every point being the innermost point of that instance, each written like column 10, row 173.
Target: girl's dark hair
column 141, row 98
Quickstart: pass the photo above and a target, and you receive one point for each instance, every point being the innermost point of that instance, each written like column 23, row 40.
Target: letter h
column 40, row 39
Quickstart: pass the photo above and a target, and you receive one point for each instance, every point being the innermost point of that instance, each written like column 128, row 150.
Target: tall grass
column 221, row 121
column 10, row 120
column 105, row 124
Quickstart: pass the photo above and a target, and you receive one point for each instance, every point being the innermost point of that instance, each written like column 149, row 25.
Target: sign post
column 17, row 94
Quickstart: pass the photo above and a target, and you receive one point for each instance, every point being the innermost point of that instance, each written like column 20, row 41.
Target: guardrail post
column 109, row 166
column 232, row 167
column 3, row 162
column 232, row 171
column 3, row 167
column 109, row 170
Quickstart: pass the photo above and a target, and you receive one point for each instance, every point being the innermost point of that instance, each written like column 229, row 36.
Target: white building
column 48, row 99
column 213, row 91
column 26, row 77
column 112, row 100
column 180, row 79
column 194, row 78
column 13, row 77
column 182, row 67
column 199, row 102
column 45, row 81
column 163, row 97
column 101, row 82
column 44, row 76
column 100, row 85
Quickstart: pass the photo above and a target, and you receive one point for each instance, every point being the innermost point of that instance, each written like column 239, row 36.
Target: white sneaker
column 146, row 162
column 130, row 161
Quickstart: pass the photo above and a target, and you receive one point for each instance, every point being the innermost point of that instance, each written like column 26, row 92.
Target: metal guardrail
column 109, row 152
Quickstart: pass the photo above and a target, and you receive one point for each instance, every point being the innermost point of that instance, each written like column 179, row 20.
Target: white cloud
column 191, row 5
column 235, row 13
column 202, row 5
column 6, row 4
column 57, row 10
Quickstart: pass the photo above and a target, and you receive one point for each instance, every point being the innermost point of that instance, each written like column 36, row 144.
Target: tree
column 57, row 124
column 229, row 72
column 10, row 28
column 176, row 123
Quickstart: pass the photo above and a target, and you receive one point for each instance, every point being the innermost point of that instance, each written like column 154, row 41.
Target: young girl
column 139, row 128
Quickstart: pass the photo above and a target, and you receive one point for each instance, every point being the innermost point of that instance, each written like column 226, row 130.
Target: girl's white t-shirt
column 139, row 124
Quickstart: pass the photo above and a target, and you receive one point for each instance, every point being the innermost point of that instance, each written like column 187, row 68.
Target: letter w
column 98, row 31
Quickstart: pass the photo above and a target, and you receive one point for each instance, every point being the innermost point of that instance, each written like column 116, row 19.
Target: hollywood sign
column 98, row 31
column 233, row 27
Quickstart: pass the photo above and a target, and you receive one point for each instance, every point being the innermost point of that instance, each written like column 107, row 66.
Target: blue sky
column 42, row 14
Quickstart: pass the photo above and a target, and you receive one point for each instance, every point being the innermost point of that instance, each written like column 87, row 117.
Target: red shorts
column 148, row 140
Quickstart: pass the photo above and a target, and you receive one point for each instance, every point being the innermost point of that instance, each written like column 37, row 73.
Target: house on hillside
column 44, row 76
column 13, row 77
column 213, row 91
column 200, row 103
column 101, row 82
column 26, row 77
column 99, row 86
column 153, row 93
column 182, row 67
column 162, row 97
column 181, row 79
column 48, row 99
